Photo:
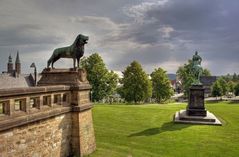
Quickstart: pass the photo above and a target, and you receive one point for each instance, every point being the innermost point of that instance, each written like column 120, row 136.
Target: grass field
column 148, row 131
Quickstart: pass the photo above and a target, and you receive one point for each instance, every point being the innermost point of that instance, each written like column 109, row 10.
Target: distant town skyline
column 157, row 33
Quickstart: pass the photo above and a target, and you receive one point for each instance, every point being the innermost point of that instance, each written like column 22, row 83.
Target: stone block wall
column 83, row 136
column 45, row 138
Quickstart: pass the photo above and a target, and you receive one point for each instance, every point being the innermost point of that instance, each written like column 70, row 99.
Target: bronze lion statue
column 74, row 51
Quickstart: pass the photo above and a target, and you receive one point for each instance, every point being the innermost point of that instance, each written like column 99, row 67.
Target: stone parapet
column 13, row 92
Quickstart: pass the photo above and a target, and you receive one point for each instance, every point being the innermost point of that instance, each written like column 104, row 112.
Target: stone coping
column 40, row 89
column 23, row 118
column 62, row 70
column 82, row 107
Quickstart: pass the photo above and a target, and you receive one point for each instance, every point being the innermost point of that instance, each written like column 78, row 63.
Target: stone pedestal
column 195, row 112
column 72, row 77
column 196, row 101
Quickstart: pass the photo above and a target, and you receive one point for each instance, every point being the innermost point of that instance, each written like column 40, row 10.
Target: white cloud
column 166, row 31
column 138, row 12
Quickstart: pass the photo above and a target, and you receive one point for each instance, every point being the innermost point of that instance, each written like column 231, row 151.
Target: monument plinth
column 196, row 101
column 71, row 76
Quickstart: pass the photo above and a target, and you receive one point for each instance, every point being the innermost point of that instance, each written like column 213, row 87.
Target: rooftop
column 8, row 81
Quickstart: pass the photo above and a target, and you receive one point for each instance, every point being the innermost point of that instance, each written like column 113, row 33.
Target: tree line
column 226, row 85
column 135, row 86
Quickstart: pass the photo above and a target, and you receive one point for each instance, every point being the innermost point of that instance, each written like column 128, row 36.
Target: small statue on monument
column 74, row 51
column 197, row 68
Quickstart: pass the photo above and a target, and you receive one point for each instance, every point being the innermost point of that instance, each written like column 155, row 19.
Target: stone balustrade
column 33, row 103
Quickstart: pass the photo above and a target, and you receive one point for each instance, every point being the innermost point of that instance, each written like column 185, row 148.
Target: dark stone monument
column 196, row 101
column 74, row 51
column 195, row 112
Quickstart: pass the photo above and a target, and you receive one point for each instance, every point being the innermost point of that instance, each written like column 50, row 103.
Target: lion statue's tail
column 50, row 61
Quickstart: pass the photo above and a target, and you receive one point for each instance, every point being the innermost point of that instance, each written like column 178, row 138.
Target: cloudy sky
column 157, row 33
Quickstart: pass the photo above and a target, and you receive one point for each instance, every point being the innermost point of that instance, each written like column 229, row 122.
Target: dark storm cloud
column 102, row 8
column 26, row 35
column 145, row 55
column 207, row 26
column 155, row 32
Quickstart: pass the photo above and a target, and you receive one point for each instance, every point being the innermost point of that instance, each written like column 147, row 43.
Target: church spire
column 18, row 65
column 17, row 59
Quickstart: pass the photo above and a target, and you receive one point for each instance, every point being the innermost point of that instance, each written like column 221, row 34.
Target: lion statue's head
column 81, row 40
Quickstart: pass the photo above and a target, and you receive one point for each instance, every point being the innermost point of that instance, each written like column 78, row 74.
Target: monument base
column 196, row 105
column 182, row 117
column 72, row 76
column 197, row 112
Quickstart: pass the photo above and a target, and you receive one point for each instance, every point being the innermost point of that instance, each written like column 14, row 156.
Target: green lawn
column 148, row 131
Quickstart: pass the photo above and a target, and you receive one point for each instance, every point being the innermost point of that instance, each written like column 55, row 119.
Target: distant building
column 13, row 78
column 175, row 83
column 207, row 82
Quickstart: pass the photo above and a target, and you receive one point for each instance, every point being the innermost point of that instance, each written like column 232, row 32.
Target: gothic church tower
column 10, row 65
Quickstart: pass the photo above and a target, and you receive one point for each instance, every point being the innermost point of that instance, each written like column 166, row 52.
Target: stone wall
column 50, row 137
column 83, row 135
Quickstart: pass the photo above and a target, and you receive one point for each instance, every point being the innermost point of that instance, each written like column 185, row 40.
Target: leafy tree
column 136, row 85
column 103, row 82
column 235, row 77
column 185, row 74
column 217, row 89
column 223, row 83
column 237, row 89
column 206, row 72
column 231, row 86
column 162, row 90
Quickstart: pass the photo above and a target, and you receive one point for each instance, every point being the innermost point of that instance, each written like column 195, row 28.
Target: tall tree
column 237, row 89
column 223, row 83
column 235, row 78
column 162, row 89
column 136, row 85
column 103, row 82
column 185, row 74
column 231, row 86
column 217, row 89
column 206, row 72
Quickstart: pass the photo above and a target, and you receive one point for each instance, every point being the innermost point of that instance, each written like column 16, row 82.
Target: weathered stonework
column 44, row 121
column 83, row 136
column 49, row 137
column 63, row 76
